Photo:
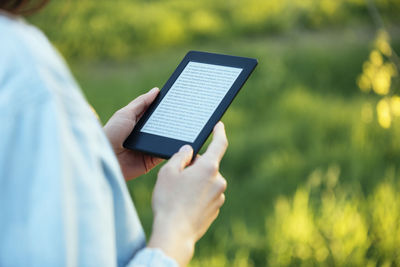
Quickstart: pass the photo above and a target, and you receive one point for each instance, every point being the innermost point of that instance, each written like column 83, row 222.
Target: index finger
column 218, row 145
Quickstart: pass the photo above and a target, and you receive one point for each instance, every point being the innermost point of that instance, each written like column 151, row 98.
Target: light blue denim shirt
column 63, row 200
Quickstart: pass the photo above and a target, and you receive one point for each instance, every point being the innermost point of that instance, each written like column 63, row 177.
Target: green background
column 312, row 177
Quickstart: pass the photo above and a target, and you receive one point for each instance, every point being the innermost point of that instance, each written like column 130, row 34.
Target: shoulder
column 23, row 43
column 30, row 68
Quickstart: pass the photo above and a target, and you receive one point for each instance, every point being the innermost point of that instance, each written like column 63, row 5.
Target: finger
column 214, row 215
column 220, row 201
column 219, row 186
column 216, row 205
column 138, row 106
column 196, row 159
column 210, row 218
column 182, row 158
column 151, row 161
column 156, row 160
column 218, row 145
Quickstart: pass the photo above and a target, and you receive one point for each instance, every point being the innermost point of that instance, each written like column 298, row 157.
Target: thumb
column 182, row 158
column 141, row 103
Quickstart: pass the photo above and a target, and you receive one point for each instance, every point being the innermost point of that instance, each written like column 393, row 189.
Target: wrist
column 172, row 240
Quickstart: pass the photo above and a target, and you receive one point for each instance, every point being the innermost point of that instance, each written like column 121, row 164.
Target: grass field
column 300, row 132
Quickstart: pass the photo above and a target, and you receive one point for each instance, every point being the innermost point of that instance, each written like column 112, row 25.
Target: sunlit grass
column 123, row 29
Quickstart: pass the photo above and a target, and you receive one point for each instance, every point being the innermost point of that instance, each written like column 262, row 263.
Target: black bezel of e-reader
column 165, row 147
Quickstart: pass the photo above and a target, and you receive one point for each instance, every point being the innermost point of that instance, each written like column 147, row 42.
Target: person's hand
column 187, row 198
column 117, row 129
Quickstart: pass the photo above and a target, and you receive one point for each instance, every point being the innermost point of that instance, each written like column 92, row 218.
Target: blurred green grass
column 299, row 116
column 124, row 29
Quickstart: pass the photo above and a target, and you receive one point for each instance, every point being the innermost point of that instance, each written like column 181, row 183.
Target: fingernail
column 154, row 90
column 218, row 124
column 186, row 148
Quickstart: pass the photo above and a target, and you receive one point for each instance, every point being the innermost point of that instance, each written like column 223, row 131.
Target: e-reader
column 191, row 102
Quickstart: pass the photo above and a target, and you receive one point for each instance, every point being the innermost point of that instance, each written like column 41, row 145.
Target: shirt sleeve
column 149, row 257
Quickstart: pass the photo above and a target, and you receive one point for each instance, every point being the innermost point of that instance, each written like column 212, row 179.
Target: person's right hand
column 187, row 199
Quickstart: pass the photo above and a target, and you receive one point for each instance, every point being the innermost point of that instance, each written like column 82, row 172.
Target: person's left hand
column 117, row 129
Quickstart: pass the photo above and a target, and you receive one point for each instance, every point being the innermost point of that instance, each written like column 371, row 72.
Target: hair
column 22, row 7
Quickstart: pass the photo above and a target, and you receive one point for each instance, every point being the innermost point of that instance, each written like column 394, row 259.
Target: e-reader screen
column 191, row 101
